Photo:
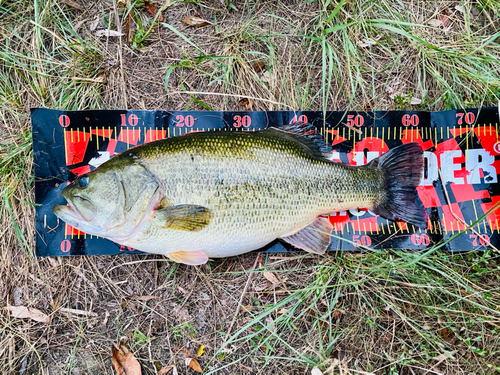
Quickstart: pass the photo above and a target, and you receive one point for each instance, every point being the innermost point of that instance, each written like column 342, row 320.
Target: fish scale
column 218, row 194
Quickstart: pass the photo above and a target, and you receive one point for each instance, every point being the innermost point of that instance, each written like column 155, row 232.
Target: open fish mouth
column 70, row 213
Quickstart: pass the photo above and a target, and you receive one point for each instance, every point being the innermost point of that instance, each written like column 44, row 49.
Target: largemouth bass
column 217, row 194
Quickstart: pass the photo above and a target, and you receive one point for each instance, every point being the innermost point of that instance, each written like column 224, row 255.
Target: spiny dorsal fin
column 186, row 217
column 305, row 134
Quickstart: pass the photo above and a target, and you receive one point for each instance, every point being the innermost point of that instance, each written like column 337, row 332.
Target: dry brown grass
column 385, row 312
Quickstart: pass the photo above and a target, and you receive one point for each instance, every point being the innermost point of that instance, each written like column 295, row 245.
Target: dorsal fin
column 305, row 134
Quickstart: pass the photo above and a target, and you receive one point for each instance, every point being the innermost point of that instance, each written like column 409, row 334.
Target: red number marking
column 469, row 118
column 425, row 239
column 133, row 120
column 484, row 239
column 246, row 121
column 420, row 239
column 65, row 246
column 64, row 121
column 189, row 121
column 412, row 120
column 364, row 240
column 302, row 118
column 355, row 120
column 237, row 124
column 180, row 121
column 359, row 120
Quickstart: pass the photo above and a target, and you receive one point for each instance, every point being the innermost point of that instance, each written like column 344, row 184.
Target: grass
column 382, row 312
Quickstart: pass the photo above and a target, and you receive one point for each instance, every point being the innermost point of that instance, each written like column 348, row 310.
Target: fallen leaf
column 94, row 23
column 446, row 333
column 270, row 276
column 108, row 32
column 266, row 76
column 152, row 10
column 337, row 313
column 196, row 21
column 444, row 19
column 194, row 364
column 270, row 323
column 73, row 4
column 259, row 66
column 316, row 371
column 200, row 351
column 165, row 370
column 415, row 101
column 247, row 308
column 247, row 102
column 124, row 361
column 435, row 23
column 460, row 8
column 23, row 312
column 77, row 312
column 365, row 42
column 444, row 356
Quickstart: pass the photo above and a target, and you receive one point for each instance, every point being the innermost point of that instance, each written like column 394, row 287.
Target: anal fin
column 192, row 258
column 315, row 238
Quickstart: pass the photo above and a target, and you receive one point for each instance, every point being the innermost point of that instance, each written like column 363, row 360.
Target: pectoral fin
column 186, row 217
column 311, row 238
column 192, row 258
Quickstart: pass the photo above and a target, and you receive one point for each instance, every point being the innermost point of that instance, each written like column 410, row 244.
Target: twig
column 250, row 276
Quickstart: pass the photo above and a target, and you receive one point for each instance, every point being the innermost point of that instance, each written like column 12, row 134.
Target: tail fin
column 402, row 169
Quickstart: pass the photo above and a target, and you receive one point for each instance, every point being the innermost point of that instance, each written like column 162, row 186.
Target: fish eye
column 83, row 181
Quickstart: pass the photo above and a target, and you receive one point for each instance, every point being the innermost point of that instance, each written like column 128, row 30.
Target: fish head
column 111, row 201
column 95, row 203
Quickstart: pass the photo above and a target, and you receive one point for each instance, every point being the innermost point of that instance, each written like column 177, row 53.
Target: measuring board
column 459, row 187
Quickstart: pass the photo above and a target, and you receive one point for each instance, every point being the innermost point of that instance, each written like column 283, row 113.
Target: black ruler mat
column 459, row 187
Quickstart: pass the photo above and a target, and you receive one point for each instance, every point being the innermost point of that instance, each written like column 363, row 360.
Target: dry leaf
column 460, row 8
column 77, row 312
column 365, row 42
column 337, row 313
column 165, row 370
column 152, row 10
column 124, row 361
column 316, row 371
column 270, row 276
column 266, row 76
column 196, row 21
column 94, row 23
column 73, row 4
column 270, row 323
column 259, row 66
column 108, row 32
column 415, row 101
column 247, row 102
column 444, row 19
column 194, row 364
column 435, row 23
column 23, row 312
